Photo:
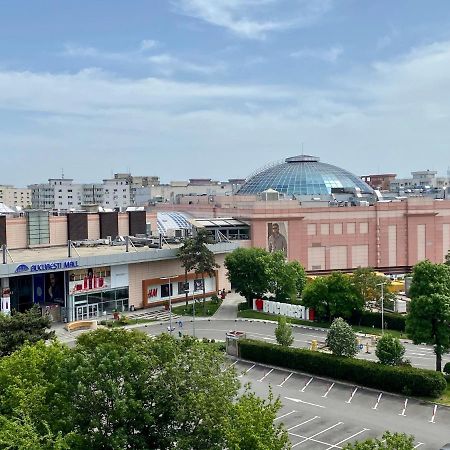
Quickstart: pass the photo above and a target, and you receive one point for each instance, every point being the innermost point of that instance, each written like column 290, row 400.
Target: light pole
column 382, row 306
column 170, row 299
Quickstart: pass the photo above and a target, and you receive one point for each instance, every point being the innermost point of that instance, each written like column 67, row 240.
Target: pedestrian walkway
column 229, row 308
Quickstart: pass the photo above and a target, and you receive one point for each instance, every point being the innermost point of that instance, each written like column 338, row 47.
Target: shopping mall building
column 66, row 264
column 329, row 218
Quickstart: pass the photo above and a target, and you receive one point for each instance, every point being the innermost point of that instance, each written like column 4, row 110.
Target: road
column 321, row 414
column 420, row 355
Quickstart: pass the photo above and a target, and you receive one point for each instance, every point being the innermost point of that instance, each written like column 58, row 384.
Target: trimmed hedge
column 404, row 380
column 244, row 306
column 394, row 321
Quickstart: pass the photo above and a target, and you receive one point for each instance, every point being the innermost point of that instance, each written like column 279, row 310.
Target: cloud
column 387, row 39
column 395, row 112
column 330, row 55
column 254, row 18
column 163, row 63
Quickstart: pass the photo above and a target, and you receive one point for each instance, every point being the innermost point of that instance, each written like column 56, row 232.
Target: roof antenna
column 62, row 173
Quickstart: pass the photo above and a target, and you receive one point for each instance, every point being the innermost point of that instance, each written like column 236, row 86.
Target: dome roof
column 303, row 175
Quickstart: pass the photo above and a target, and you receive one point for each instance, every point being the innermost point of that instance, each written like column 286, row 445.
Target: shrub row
column 401, row 380
column 394, row 321
column 244, row 306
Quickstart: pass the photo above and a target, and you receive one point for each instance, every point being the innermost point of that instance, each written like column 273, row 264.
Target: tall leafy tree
column 186, row 254
column 389, row 441
column 203, row 257
column 429, row 317
column 248, row 272
column 251, row 425
column 120, row 389
column 332, row 296
column 390, row 350
column 367, row 283
column 341, row 339
column 19, row 328
column 283, row 333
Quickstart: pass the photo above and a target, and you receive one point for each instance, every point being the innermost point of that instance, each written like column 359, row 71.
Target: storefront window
column 165, row 290
column 198, row 285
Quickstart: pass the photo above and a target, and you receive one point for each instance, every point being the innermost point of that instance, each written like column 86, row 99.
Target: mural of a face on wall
column 277, row 237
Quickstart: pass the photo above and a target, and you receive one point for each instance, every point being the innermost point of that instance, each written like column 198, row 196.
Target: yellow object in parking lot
column 314, row 345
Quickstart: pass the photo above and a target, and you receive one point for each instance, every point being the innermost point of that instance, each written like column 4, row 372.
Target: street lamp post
column 170, row 299
column 382, row 306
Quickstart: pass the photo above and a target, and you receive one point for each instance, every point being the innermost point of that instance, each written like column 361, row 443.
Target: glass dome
column 303, row 175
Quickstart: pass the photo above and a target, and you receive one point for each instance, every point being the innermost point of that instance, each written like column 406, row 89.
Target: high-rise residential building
column 12, row 196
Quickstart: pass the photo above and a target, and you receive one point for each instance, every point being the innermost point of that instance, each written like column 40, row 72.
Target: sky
column 219, row 88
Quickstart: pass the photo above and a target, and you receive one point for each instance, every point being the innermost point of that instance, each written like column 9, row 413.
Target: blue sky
column 218, row 88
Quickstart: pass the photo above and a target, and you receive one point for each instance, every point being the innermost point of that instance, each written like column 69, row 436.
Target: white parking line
column 266, row 375
column 316, row 441
column 317, row 434
column 229, row 367
column 328, row 391
column 247, row 371
column 347, row 439
column 434, row 414
column 404, row 408
column 303, row 423
column 285, row 379
column 307, row 384
column 419, row 445
column 351, row 396
column 285, row 415
column 378, row 401
column 297, row 400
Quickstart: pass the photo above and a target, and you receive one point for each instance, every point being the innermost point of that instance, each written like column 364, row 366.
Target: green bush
column 244, row 306
column 394, row 321
column 413, row 381
column 447, row 368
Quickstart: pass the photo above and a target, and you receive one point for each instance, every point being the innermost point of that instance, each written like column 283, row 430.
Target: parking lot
column 322, row 414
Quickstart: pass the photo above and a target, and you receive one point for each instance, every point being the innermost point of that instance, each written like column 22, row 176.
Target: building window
column 363, row 228
column 325, row 228
column 312, row 229
column 165, row 290
column 351, row 228
column 337, row 228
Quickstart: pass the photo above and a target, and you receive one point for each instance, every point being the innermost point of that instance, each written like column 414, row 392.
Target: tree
column 19, row 328
column 341, row 339
column 283, row 332
column 187, row 257
column 367, row 283
column 203, row 257
column 120, row 389
column 429, row 321
column 429, row 278
column 332, row 296
column 389, row 441
column 429, row 317
column 251, row 425
column 247, row 272
column 390, row 350
column 447, row 258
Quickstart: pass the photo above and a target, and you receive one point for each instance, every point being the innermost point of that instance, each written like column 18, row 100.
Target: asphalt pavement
column 321, row 414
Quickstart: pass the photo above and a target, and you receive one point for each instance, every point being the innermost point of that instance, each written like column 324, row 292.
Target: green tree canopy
column 389, row 441
column 19, row 328
column 251, row 425
column 120, row 389
column 367, row 283
column 332, row 296
column 429, row 278
column 390, row 350
column 341, row 339
column 283, row 332
column 429, row 321
column 247, row 272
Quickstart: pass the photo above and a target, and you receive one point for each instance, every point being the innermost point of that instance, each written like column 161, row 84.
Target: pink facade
column 393, row 235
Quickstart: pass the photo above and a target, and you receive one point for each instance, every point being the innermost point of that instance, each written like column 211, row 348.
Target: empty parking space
column 313, row 405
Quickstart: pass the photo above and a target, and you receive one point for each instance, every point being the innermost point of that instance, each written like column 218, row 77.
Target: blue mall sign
column 45, row 267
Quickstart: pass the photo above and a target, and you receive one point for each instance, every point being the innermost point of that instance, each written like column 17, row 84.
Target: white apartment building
column 422, row 179
column 12, row 196
column 64, row 194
